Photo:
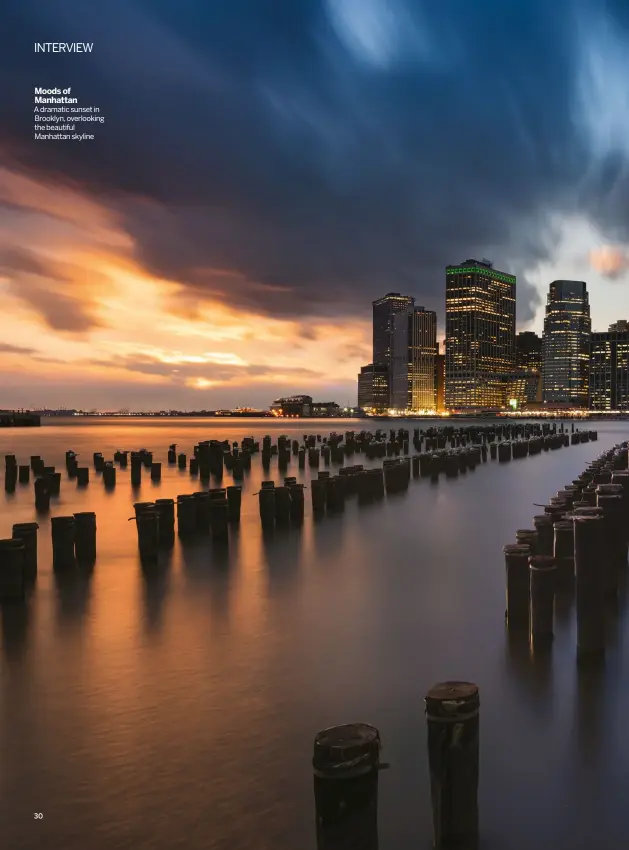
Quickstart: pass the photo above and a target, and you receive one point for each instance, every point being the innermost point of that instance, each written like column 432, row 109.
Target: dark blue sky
column 331, row 150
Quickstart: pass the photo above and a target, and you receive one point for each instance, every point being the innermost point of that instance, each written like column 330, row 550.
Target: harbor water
column 176, row 707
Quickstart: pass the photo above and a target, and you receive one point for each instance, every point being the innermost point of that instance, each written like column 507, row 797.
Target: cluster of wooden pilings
column 73, row 542
column 578, row 543
column 450, row 451
column 346, row 764
column 206, row 512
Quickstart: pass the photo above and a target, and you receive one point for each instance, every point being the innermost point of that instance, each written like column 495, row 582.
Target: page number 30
column 38, row 815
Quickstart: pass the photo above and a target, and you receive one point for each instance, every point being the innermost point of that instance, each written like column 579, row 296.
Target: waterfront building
column 384, row 311
column 412, row 371
column 440, row 381
column 528, row 351
column 480, row 334
column 373, row 388
column 529, row 360
column 609, row 368
column 566, row 345
column 522, row 389
column 296, row 405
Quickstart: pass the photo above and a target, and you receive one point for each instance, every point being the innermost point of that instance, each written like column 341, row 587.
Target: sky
column 269, row 167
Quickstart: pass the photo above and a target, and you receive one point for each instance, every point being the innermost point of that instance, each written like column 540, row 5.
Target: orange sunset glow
column 84, row 324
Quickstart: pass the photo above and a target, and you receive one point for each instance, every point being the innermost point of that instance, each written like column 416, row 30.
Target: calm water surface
column 176, row 708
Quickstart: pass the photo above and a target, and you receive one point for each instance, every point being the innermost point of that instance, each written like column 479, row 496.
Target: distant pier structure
column 18, row 419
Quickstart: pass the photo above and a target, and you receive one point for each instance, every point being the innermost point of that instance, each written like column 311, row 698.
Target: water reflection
column 531, row 664
column 156, row 586
column 564, row 600
column 16, row 619
column 590, row 688
column 200, row 678
column 73, row 588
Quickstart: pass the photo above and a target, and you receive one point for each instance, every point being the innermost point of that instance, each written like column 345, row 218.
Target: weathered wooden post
column 203, row 510
column 85, row 537
column 452, row 714
column 109, row 475
column 545, row 534
column 24, row 474
column 27, row 533
column 42, row 495
column 591, row 586
column 563, row 549
column 219, row 518
column 186, row 515
column 62, row 541
column 266, row 499
column 297, row 503
column 12, row 570
column 156, row 471
column 615, row 542
column 234, row 501
column 528, row 537
column 166, row 522
column 346, row 762
column 543, row 576
column 518, row 592
column 147, row 522
column 136, row 469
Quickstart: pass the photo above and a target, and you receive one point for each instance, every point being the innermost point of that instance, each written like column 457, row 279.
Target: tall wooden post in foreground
column 345, row 762
column 452, row 714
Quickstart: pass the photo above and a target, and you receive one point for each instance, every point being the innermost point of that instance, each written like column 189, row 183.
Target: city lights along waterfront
column 176, row 706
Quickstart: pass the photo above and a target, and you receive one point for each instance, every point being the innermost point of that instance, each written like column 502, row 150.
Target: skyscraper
column 413, row 364
column 440, row 381
column 373, row 388
column 609, row 368
column 529, row 359
column 528, row 348
column 566, row 347
column 384, row 310
column 480, row 334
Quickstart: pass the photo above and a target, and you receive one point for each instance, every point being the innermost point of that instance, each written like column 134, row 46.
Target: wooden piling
column 12, row 570
column 518, row 592
column 186, row 515
column 345, row 763
column 219, row 518
column 63, row 536
column 543, row 578
column 452, row 715
column 147, row 523
column 27, row 533
column 85, row 537
column 42, row 494
column 166, row 522
column 591, row 586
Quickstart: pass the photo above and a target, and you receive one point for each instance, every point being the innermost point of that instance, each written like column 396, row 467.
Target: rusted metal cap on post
column 345, row 752
column 452, row 702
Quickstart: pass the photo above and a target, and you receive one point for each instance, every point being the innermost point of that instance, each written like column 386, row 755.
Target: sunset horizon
column 220, row 241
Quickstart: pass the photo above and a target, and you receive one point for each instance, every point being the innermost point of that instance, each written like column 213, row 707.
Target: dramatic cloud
column 278, row 164
column 611, row 262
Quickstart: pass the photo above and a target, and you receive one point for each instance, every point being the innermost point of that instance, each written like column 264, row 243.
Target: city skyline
column 222, row 244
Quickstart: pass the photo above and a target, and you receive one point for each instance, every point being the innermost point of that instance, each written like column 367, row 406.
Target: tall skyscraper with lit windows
column 413, row 362
column 566, row 346
column 384, row 311
column 480, row 334
column 609, row 368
